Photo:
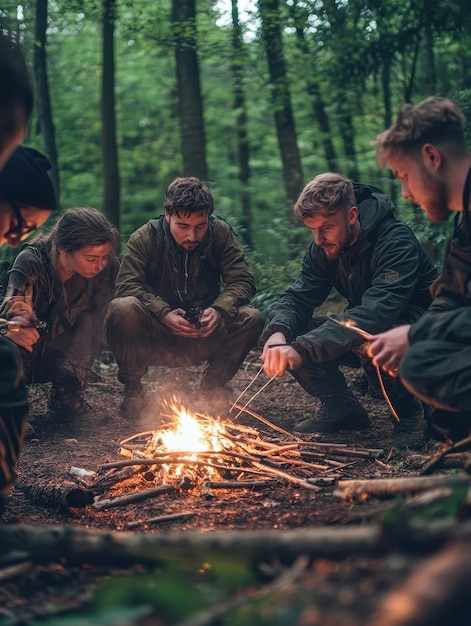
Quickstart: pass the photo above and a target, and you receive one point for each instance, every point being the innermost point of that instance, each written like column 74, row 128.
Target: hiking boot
column 65, row 401
column 133, row 399
column 410, row 432
column 447, row 426
column 354, row 418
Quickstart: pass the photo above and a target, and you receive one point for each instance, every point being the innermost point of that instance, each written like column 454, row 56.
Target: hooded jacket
column 164, row 276
column 385, row 277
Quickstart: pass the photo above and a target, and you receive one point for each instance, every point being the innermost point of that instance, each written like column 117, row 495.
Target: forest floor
column 329, row 591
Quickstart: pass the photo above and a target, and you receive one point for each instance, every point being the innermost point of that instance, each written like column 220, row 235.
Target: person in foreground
column 426, row 150
column 376, row 263
column 27, row 196
column 183, row 290
column 65, row 281
column 16, row 103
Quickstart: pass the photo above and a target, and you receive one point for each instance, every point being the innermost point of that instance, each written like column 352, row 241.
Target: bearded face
column 334, row 233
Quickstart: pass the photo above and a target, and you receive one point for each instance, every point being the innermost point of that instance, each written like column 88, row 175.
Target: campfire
column 196, row 453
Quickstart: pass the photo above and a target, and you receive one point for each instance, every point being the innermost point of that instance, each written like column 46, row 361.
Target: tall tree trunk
column 430, row 74
column 386, row 88
column 281, row 97
column 347, row 133
column 42, row 93
column 241, row 124
column 192, row 130
column 109, row 154
column 314, row 91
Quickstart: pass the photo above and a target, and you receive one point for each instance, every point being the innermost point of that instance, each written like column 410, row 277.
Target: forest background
column 255, row 97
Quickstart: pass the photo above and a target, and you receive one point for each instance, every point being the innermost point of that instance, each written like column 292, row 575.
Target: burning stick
column 350, row 324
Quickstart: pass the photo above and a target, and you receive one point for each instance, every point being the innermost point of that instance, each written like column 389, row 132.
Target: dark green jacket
column 449, row 316
column 164, row 276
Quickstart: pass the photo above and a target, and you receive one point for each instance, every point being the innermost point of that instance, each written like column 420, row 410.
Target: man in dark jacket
column 426, row 150
column 376, row 263
column 183, row 290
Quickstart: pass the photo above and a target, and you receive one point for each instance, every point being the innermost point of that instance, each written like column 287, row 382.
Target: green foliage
column 272, row 279
column 447, row 507
column 177, row 590
column 347, row 54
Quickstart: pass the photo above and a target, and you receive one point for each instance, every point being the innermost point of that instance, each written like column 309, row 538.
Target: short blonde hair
column 325, row 195
column 435, row 120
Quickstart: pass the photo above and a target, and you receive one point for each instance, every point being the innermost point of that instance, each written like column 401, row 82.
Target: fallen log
column 53, row 544
column 357, row 489
column 435, row 593
column 51, row 494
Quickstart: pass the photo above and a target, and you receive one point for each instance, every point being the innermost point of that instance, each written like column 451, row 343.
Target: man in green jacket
column 183, row 290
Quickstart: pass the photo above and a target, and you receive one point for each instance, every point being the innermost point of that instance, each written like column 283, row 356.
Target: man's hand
column 19, row 310
column 175, row 320
column 387, row 349
column 24, row 337
column 209, row 321
column 278, row 358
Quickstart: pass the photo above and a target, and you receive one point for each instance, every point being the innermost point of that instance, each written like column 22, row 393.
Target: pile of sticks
column 241, row 459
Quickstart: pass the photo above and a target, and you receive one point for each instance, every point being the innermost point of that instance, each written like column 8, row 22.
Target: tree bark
column 110, row 166
column 52, row 544
column 240, row 107
column 314, row 91
column 192, row 129
column 281, row 98
column 44, row 109
column 353, row 489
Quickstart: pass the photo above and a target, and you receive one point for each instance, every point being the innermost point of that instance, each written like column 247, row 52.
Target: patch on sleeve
column 391, row 277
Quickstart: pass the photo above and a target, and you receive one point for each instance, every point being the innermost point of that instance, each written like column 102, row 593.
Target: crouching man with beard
column 183, row 290
column 376, row 263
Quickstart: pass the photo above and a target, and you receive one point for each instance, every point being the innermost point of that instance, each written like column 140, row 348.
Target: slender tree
column 240, row 106
column 192, row 129
column 44, row 109
column 281, row 98
column 110, row 166
column 312, row 85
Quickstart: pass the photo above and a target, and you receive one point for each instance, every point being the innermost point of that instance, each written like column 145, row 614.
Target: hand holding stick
column 368, row 336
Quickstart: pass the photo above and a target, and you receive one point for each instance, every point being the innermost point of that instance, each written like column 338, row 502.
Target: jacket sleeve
column 21, row 278
column 449, row 316
column 132, row 277
column 292, row 312
column 238, row 281
column 446, row 325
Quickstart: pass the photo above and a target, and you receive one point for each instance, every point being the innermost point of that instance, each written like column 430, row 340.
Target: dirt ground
column 347, row 592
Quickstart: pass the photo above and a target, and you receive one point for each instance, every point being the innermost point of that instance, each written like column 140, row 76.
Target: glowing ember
column 190, row 433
